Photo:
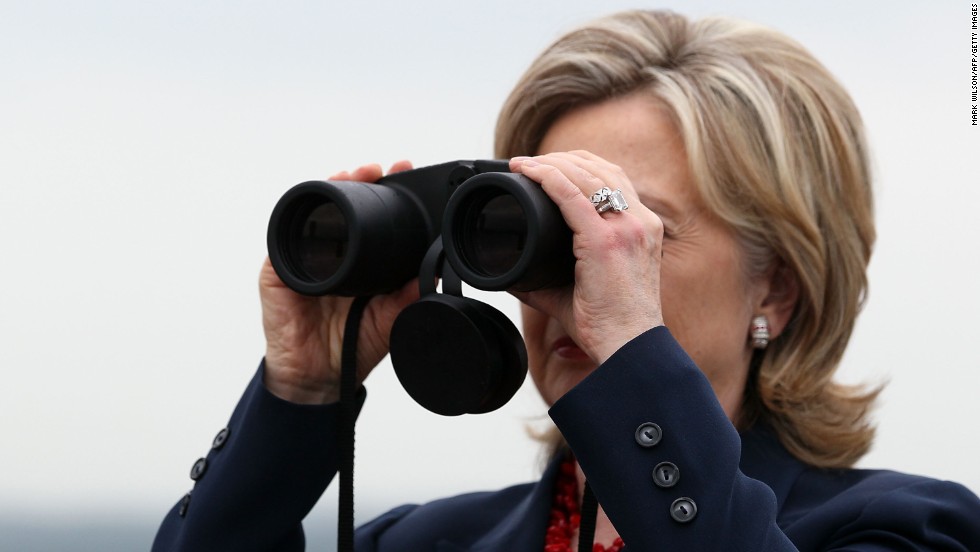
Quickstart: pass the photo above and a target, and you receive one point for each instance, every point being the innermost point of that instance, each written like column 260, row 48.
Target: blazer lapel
column 522, row 530
column 764, row 458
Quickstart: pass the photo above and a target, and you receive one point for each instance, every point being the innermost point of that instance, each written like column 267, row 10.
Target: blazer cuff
column 264, row 473
column 652, row 380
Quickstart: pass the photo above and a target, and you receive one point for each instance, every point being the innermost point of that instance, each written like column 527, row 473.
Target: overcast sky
column 144, row 144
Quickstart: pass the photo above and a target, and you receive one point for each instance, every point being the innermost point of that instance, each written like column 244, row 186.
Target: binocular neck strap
column 589, row 511
column 436, row 266
column 348, row 414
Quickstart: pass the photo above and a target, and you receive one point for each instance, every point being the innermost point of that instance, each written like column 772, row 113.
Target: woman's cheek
column 534, row 324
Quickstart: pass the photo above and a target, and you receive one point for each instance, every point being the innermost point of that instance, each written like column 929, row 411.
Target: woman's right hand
column 304, row 334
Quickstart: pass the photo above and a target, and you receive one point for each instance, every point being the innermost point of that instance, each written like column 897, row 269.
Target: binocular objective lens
column 319, row 241
column 494, row 234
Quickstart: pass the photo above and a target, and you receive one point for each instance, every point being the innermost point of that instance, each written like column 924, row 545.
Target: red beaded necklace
column 565, row 516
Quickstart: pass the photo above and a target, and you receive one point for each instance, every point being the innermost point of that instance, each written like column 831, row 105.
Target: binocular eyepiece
column 499, row 229
column 470, row 221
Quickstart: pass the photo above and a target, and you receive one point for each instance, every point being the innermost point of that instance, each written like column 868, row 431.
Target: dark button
column 184, row 503
column 198, row 469
column 219, row 439
column 683, row 510
column 648, row 434
column 666, row 475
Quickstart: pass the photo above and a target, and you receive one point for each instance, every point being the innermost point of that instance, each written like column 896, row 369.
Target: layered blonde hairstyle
column 777, row 150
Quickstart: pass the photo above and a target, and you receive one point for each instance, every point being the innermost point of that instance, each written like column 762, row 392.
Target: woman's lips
column 568, row 349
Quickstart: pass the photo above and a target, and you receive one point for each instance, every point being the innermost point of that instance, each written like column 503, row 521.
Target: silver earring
column 760, row 332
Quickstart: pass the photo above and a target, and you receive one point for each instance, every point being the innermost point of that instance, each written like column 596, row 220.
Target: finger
column 609, row 174
column 574, row 170
column 578, row 171
column 585, row 154
column 400, row 166
column 372, row 172
column 515, row 162
column 582, row 173
column 367, row 173
column 389, row 306
column 268, row 277
column 552, row 302
column 590, row 173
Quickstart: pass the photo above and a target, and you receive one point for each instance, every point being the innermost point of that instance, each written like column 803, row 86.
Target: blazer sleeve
column 675, row 485
column 262, row 476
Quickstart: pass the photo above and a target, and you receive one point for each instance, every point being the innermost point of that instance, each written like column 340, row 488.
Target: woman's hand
column 304, row 334
column 616, row 293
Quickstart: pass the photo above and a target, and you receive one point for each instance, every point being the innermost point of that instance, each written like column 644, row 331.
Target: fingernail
column 519, row 158
column 530, row 163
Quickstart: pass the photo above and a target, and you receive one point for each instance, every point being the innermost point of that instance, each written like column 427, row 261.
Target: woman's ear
column 780, row 298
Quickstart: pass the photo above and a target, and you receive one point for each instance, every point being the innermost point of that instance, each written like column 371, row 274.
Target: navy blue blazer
column 729, row 492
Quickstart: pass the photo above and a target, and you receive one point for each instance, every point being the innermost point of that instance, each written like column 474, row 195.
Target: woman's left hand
column 616, row 293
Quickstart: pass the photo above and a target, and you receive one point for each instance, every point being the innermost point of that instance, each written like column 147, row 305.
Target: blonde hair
column 777, row 150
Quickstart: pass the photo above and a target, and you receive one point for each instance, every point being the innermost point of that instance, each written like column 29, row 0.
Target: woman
column 688, row 368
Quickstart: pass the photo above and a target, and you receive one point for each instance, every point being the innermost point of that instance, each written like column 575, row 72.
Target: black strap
column 590, row 509
column 435, row 266
column 348, row 410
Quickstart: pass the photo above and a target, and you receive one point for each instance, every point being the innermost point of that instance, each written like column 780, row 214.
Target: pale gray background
column 143, row 145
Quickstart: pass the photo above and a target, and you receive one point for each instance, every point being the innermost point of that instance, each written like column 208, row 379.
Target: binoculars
column 466, row 221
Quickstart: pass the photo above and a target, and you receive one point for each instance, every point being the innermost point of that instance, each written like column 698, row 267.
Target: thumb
column 554, row 302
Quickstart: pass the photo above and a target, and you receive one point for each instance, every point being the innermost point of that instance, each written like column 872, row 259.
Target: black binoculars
column 466, row 221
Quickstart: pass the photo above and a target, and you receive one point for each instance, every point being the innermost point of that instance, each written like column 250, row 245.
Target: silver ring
column 605, row 199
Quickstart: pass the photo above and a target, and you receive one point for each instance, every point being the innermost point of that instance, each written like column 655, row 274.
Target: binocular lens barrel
column 501, row 231
column 346, row 238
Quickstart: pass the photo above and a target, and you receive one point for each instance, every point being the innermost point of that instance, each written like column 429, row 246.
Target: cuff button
column 220, row 438
column 198, row 469
column 648, row 434
column 683, row 510
column 666, row 475
column 184, row 503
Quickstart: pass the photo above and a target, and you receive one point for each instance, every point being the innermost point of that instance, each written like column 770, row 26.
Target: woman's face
column 707, row 301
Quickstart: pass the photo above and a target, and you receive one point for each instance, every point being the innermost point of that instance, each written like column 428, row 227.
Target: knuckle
column 569, row 192
column 555, row 179
column 631, row 234
column 549, row 171
column 589, row 179
column 656, row 226
column 613, row 242
column 636, row 232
